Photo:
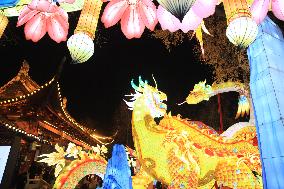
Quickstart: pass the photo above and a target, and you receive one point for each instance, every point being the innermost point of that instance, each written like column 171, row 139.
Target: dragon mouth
column 161, row 107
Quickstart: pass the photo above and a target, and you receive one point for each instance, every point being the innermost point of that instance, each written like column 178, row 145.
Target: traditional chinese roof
column 34, row 110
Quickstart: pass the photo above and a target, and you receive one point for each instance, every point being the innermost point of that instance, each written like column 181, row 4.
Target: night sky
column 95, row 89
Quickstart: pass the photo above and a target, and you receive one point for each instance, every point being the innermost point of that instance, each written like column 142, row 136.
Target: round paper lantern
column 242, row 29
column 178, row 8
column 81, row 47
column 81, row 44
column 278, row 8
column 204, row 8
column 3, row 24
column 259, row 10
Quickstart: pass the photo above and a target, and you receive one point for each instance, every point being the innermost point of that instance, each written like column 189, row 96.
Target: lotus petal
column 56, row 30
column 113, row 12
column 259, row 10
column 43, row 6
column 278, row 8
column 167, row 20
column 190, row 22
column 131, row 23
column 35, row 29
column 25, row 15
column 204, row 8
column 148, row 12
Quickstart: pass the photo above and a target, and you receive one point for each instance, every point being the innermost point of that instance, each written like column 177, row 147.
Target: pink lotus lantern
column 42, row 16
column 134, row 16
column 278, row 8
column 259, row 10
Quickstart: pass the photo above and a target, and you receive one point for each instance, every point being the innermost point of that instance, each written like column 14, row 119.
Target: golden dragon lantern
column 81, row 44
column 3, row 24
column 242, row 29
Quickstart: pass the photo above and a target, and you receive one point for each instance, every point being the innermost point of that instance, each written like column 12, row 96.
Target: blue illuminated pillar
column 266, row 57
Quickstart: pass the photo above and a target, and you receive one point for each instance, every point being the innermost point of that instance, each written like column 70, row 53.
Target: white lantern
column 81, row 47
column 242, row 31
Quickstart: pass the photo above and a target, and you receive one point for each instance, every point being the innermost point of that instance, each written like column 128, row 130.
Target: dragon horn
column 134, row 86
column 141, row 82
column 156, row 86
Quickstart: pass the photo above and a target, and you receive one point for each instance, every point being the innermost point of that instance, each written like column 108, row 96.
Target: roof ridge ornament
column 24, row 68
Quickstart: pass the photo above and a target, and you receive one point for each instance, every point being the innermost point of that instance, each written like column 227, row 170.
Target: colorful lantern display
column 42, row 16
column 242, row 29
column 134, row 16
column 81, row 44
column 178, row 8
column 3, row 24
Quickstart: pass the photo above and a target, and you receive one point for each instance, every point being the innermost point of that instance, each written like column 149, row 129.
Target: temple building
column 39, row 113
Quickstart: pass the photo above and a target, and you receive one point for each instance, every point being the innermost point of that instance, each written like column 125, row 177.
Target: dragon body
column 187, row 154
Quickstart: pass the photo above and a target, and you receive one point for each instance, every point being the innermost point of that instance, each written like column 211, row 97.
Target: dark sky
column 95, row 89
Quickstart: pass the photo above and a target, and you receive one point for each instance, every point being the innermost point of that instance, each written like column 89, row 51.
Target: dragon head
column 150, row 96
column 200, row 92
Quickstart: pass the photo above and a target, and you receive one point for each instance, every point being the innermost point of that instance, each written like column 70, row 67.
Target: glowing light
column 81, row 47
column 242, row 29
column 118, row 173
column 3, row 24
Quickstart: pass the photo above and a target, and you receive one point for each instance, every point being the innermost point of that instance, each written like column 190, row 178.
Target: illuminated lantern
column 81, row 44
column 81, row 47
column 278, row 8
column 135, row 15
column 42, row 16
column 178, row 8
column 259, row 10
column 204, row 8
column 3, row 24
column 242, row 29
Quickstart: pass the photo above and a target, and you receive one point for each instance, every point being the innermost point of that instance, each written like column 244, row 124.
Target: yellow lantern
column 81, row 44
column 3, row 24
column 242, row 29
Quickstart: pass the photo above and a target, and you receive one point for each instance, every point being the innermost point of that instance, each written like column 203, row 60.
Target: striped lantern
column 242, row 29
column 80, row 45
column 3, row 24
column 178, row 8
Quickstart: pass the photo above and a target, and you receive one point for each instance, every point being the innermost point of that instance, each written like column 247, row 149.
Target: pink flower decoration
column 259, row 10
column 169, row 22
column 278, row 9
column 134, row 16
column 42, row 16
